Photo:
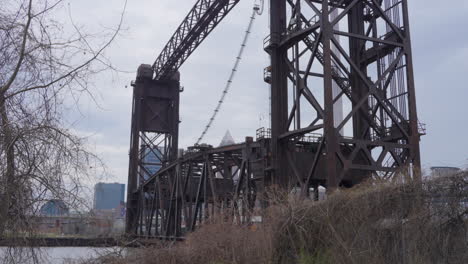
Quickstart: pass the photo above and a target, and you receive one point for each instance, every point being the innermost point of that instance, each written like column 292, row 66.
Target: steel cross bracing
column 371, row 65
column 202, row 183
column 348, row 56
column 201, row 20
column 155, row 108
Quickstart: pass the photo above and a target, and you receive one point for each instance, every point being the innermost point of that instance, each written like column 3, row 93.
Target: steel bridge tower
column 351, row 56
column 370, row 60
column 153, row 142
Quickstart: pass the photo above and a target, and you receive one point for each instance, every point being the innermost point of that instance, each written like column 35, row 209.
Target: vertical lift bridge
column 368, row 57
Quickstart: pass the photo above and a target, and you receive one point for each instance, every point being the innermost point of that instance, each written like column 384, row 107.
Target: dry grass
column 385, row 223
column 403, row 223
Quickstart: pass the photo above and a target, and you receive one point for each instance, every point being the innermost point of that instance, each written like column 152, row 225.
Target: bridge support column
column 279, row 94
column 153, row 145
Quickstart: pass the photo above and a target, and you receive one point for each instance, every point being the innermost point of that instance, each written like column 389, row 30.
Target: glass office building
column 108, row 195
column 151, row 161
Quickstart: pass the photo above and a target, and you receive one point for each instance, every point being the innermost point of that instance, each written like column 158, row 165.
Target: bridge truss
column 343, row 110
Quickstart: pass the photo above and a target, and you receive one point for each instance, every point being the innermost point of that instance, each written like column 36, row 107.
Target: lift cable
column 257, row 10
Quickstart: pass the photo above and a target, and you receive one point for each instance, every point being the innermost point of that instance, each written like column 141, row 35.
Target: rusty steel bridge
column 343, row 109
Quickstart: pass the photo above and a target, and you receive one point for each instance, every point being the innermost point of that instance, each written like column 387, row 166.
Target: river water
column 53, row 255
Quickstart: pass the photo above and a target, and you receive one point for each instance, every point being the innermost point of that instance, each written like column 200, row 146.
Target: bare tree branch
column 41, row 67
column 22, row 51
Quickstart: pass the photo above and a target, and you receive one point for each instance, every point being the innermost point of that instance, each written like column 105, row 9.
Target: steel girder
column 201, row 20
column 363, row 49
column 205, row 181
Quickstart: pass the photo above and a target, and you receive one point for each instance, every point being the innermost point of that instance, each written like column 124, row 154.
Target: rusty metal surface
column 368, row 61
column 197, row 25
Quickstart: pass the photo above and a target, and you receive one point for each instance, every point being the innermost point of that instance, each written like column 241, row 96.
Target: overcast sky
column 440, row 47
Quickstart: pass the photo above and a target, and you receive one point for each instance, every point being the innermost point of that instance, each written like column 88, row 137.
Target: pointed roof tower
column 227, row 140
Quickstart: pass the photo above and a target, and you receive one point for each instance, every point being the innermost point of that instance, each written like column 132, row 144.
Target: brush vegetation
column 372, row 223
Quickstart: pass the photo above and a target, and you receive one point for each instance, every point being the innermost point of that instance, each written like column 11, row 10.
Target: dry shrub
column 218, row 241
column 384, row 223
column 388, row 223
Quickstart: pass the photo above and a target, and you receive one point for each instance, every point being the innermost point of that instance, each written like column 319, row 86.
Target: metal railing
column 263, row 133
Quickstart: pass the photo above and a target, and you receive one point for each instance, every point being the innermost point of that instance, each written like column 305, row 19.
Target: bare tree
column 42, row 66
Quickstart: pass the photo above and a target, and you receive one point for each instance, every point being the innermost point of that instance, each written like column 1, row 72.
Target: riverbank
column 60, row 242
column 103, row 242
column 55, row 255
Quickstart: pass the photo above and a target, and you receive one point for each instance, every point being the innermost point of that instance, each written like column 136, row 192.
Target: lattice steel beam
column 372, row 67
column 199, row 23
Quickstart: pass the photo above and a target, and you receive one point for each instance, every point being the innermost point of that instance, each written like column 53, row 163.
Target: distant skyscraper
column 227, row 140
column 108, row 195
column 54, row 207
column 152, row 160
